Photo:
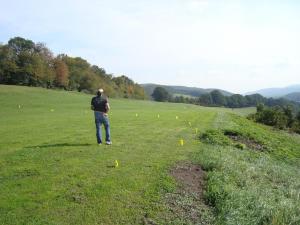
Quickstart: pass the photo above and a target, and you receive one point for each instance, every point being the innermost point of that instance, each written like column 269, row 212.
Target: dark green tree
column 260, row 107
column 8, row 66
column 272, row 116
column 218, row 98
column 236, row 101
column 19, row 45
column 205, row 99
column 296, row 124
column 254, row 99
column 298, row 117
column 288, row 112
column 160, row 94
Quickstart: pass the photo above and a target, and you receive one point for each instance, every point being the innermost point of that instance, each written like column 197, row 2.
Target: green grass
column 247, row 186
column 244, row 111
column 52, row 171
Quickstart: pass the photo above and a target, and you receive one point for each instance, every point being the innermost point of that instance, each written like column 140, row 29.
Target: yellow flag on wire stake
column 176, row 117
column 158, row 116
column 116, row 163
column 181, row 142
column 136, row 115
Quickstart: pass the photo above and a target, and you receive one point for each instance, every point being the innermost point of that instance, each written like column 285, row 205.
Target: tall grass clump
column 252, row 187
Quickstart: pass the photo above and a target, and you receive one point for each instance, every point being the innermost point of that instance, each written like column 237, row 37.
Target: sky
column 236, row 45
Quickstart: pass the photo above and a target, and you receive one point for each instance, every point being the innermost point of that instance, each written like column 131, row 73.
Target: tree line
column 23, row 62
column 277, row 116
column 217, row 99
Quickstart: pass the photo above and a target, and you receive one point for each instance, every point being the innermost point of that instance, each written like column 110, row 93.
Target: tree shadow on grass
column 60, row 145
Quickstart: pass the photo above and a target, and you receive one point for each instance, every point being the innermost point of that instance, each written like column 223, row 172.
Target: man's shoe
column 99, row 144
column 108, row 142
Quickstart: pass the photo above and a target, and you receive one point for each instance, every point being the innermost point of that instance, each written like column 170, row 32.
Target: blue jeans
column 100, row 119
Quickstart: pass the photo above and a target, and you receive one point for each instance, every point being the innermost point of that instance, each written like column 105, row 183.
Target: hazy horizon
column 226, row 89
column 238, row 46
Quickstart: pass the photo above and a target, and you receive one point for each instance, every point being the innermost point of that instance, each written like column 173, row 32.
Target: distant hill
column 182, row 90
column 277, row 92
column 295, row 96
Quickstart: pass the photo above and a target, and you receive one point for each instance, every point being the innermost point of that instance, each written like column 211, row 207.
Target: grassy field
column 53, row 172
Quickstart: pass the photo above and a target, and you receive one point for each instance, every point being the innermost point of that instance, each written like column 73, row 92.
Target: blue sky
column 235, row 45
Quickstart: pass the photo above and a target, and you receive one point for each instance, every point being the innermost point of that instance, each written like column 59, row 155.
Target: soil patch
column 186, row 204
column 190, row 177
column 250, row 143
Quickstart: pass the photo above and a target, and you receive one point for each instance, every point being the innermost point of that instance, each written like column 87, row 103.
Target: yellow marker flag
column 176, row 117
column 181, row 142
column 116, row 163
column 158, row 116
column 136, row 115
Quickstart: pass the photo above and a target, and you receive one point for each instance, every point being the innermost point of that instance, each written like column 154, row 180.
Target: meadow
column 53, row 172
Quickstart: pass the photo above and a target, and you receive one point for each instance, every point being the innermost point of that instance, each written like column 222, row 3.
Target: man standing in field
column 100, row 106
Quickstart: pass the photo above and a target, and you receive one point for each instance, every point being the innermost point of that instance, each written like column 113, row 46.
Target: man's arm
column 107, row 107
column 92, row 105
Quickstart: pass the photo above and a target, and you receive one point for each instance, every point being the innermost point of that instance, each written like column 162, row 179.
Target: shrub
column 240, row 145
column 296, row 127
column 272, row 117
column 215, row 137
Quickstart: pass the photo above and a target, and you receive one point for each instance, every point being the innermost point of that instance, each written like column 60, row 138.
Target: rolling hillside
column 181, row 90
column 295, row 96
column 178, row 164
column 277, row 92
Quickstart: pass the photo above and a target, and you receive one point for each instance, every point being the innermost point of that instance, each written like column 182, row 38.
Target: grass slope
column 247, row 186
column 52, row 172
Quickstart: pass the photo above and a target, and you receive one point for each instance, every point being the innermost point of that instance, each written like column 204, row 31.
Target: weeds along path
column 52, row 172
column 246, row 186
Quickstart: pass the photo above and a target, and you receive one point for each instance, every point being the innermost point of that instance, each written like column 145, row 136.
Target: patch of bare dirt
column 186, row 204
column 190, row 177
column 250, row 143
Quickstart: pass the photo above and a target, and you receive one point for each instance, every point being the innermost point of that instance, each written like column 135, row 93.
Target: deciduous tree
column 160, row 94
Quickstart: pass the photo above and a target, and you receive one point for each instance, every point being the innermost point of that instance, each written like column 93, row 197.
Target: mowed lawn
column 53, row 172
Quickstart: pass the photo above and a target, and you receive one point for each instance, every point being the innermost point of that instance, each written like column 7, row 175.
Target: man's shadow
column 59, row 145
